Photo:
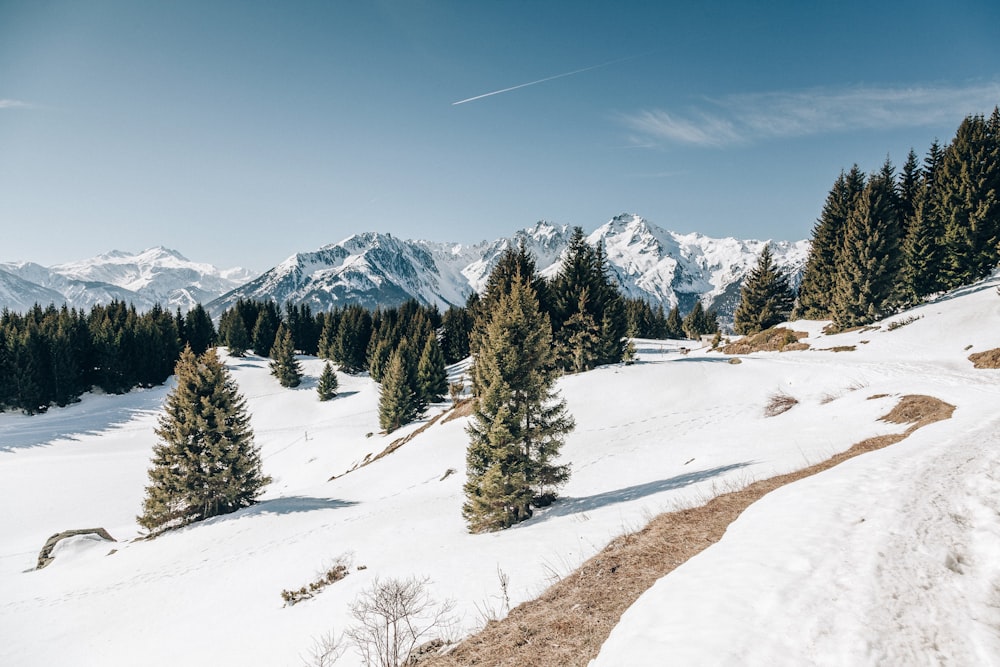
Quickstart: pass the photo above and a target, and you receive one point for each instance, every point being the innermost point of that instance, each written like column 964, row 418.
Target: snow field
column 670, row 431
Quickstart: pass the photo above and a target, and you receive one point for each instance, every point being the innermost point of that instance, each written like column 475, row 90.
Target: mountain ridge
column 647, row 262
column 378, row 269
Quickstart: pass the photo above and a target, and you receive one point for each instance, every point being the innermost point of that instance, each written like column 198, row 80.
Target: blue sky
column 241, row 132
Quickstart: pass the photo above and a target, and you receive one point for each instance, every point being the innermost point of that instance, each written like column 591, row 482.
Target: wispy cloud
column 548, row 78
column 15, row 104
column 750, row 117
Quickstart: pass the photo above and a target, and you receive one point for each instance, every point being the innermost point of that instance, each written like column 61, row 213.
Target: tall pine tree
column 765, row 297
column 206, row 462
column 519, row 423
column 865, row 288
column 818, row 277
column 398, row 403
column 327, row 386
column 284, row 365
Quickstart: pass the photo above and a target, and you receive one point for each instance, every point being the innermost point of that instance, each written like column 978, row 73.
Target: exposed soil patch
column 777, row 339
column 987, row 359
column 567, row 625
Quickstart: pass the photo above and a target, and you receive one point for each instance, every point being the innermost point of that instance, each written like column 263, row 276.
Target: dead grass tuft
column 918, row 410
column 778, row 403
column 839, row 348
column 463, row 408
column 776, row 339
column 570, row 621
column 987, row 359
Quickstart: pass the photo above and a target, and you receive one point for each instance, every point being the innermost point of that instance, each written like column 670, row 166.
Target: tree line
column 886, row 241
column 51, row 356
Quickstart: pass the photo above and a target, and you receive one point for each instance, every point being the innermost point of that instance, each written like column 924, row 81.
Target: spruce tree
column 519, row 423
column 675, row 325
column 265, row 328
column 699, row 322
column 579, row 346
column 584, row 269
column 205, row 463
column 199, row 332
column 327, row 386
column 818, row 277
column 765, row 297
column 969, row 190
column 398, row 403
column 284, row 365
column 432, row 377
column 233, row 332
column 866, row 285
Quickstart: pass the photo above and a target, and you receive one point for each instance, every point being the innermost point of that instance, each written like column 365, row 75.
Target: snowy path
column 892, row 558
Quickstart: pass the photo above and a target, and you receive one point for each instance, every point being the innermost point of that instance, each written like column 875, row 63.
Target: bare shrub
column 330, row 575
column 498, row 606
column 394, row 617
column 325, row 651
column 778, row 403
column 896, row 324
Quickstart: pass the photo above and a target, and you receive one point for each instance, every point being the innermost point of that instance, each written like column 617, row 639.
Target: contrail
column 548, row 78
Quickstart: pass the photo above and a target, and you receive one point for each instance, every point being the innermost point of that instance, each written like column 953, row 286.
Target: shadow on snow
column 567, row 506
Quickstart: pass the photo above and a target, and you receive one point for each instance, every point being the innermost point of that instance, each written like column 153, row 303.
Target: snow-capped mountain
column 156, row 275
column 647, row 261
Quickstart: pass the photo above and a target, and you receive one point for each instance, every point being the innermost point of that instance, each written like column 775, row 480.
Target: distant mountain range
column 375, row 269
column 648, row 262
column 156, row 275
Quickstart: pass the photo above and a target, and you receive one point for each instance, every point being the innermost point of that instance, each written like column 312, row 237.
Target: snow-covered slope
column 156, row 275
column 647, row 261
column 902, row 541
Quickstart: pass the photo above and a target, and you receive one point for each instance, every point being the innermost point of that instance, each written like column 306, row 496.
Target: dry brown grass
column 987, row 359
column 776, row 339
column 569, row 622
column 463, row 408
column 778, row 403
column 839, row 348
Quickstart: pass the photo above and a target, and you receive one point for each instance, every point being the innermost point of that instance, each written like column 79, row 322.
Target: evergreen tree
column 378, row 361
column 233, row 332
column 969, row 189
column 699, row 322
column 398, row 404
column 579, row 345
column 765, row 297
column 284, row 365
column 815, row 292
column 584, row 268
column 199, row 332
column 205, row 463
column 265, row 328
column 432, row 378
column 518, row 424
column 327, row 387
column 923, row 249
column 910, row 185
column 456, row 327
column 865, row 288
column 354, row 332
column 675, row 325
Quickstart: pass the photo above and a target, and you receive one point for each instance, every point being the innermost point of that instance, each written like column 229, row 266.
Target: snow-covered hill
column 889, row 558
column 647, row 261
column 156, row 275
